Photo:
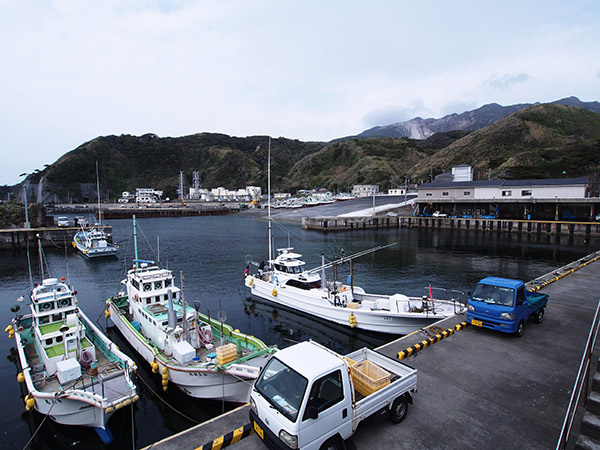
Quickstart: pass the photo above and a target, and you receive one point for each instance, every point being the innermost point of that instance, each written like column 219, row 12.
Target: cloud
column 503, row 82
column 395, row 113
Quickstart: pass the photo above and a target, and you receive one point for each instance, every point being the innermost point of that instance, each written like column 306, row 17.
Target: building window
column 467, row 193
column 526, row 192
column 428, row 194
column 445, row 194
column 506, row 193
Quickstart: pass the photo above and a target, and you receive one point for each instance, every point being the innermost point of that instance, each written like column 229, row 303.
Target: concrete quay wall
column 498, row 225
column 20, row 238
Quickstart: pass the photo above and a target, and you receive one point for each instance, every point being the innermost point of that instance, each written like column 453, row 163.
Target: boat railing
column 457, row 298
column 581, row 386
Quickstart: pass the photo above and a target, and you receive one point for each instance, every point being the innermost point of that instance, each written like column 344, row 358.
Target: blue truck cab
column 505, row 305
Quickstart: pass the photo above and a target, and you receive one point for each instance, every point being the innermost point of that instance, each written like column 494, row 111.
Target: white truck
column 309, row 397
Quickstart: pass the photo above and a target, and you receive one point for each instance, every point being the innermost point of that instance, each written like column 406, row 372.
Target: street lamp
column 27, row 224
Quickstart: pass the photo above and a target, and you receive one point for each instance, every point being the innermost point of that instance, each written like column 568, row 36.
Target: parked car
column 505, row 305
column 62, row 222
column 439, row 214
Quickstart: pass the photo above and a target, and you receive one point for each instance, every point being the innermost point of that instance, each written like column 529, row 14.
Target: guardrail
column 581, row 382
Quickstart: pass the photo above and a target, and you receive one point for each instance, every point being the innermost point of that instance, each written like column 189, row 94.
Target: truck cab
column 505, row 305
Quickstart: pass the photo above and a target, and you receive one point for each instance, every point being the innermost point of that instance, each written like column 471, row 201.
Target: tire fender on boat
column 86, row 358
column 250, row 281
column 274, row 292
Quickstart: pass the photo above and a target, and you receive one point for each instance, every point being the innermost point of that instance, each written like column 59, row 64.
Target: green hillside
column 539, row 142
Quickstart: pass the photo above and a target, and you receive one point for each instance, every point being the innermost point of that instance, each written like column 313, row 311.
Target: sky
column 73, row 70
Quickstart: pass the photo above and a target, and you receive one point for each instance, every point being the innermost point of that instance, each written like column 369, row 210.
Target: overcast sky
column 72, row 70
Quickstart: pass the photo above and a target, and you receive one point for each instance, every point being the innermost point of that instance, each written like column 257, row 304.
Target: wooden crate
column 226, row 353
column 368, row 377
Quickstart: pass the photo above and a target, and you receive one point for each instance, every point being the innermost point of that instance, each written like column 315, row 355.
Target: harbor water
column 211, row 253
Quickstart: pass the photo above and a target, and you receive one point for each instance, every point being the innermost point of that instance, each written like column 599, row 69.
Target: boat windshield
column 282, row 387
column 493, row 294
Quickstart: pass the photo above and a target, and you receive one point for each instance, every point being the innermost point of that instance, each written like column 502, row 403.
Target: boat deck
column 110, row 378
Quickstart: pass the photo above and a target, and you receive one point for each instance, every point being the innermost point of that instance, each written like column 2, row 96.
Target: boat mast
column 98, row 189
column 269, row 199
column 41, row 256
column 135, row 239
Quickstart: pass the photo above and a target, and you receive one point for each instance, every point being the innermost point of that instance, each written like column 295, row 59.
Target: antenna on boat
column 158, row 249
column 269, row 200
column 185, row 324
column 135, row 239
column 29, row 264
column 41, row 257
column 98, row 189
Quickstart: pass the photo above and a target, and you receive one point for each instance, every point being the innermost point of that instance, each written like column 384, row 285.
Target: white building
column 561, row 188
column 147, row 195
column 281, row 195
column 126, row 197
column 247, row 194
column 365, row 190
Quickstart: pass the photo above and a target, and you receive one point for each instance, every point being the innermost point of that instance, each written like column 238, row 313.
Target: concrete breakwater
column 20, row 238
column 563, row 228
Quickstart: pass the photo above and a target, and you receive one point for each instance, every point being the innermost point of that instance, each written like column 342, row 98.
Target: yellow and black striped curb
column 545, row 280
column 432, row 340
column 228, row 439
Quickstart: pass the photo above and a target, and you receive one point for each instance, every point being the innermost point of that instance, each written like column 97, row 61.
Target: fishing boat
column 94, row 242
column 286, row 281
column 72, row 372
column 202, row 356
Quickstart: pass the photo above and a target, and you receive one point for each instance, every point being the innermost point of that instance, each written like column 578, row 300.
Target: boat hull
column 314, row 302
column 195, row 382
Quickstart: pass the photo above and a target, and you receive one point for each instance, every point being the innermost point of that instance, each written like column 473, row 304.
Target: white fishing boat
column 94, row 242
column 285, row 281
column 72, row 372
column 202, row 356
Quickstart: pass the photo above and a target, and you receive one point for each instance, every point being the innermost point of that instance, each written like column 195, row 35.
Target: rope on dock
column 228, row 439
column 430, row 341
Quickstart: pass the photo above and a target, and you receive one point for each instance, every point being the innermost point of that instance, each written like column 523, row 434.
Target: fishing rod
column 344, row 259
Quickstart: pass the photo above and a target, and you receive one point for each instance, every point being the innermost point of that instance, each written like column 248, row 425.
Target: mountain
column 543, row 141
column 126, row 162
column 476, row 119
column 540, row 141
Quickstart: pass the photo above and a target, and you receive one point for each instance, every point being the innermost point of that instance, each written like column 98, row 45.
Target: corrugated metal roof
column 506, row 183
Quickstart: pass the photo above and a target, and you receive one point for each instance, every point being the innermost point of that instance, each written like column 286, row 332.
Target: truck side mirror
column 311, row 412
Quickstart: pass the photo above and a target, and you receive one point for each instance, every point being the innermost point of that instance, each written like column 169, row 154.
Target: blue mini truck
column 505, row 305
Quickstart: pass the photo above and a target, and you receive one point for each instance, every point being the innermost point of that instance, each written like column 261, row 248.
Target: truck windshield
column 493, row 294
column 282, row 387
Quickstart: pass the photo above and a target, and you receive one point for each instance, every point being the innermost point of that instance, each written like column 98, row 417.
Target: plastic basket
column 368, row 377
column 226, row 353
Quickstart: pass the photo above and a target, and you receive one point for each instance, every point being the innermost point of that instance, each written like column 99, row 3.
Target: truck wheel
column 398, row 410
column 520, row 329
column 539, row 317
column 333, row 443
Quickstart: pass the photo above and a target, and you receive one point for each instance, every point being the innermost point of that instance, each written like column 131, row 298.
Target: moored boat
column 285, row 281
column 202, row 356
column 73, row 373
column 93, row 242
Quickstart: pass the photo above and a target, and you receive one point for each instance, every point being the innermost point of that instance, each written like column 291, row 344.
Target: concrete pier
column 476, row 388
column 19, row 238
column 491, row 225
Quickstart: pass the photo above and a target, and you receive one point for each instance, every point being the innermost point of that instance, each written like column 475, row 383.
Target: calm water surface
column 212, row 253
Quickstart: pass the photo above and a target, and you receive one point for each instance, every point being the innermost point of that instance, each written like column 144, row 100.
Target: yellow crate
column 226, row 353
column 368, row 377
